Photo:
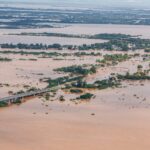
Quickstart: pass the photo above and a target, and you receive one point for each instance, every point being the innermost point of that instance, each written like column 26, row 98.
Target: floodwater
column 96, row 29
column 46, row 40
column 90, row 29
column 116, row 119
column 142, row 30
column 116, row 124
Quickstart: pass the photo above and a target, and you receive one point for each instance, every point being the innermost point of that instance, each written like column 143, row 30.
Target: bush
column 3, row 104
column 76, row 91
column 85, row 96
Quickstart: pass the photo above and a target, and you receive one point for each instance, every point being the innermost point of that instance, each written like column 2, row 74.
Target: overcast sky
column 136, row 3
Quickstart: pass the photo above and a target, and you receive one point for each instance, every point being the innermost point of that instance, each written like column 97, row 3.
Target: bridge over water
column 14, row 98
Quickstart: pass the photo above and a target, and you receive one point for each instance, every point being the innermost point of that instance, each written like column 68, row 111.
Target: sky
column 122, row 3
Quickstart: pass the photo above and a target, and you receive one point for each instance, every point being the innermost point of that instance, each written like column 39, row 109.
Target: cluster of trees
column 49, row 54
column 76, row 91
column 31, row 46
column 85, row 96
column 77, row 70
column 139, row 75
column 51, row 34
column 105, row 36
column 108, row 36
column 120, row 42
column 5, row 59
column 113, row 59
column 102, row 84
column 116, row 57
column 78, row 54
column 62, row 80
column 135, row 76
column 3, row 104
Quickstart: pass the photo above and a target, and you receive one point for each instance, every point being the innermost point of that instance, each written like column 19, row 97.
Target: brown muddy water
column 116, row 119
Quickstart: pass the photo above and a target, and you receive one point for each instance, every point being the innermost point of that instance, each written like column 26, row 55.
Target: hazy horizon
column 88, row 3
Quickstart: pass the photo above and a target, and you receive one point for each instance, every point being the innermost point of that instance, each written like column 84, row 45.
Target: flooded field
column 116, row 118
column 23, row 71
column 46, row 40
column 96, row 29
column 78, row 29
column 91, row 29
